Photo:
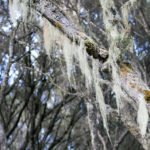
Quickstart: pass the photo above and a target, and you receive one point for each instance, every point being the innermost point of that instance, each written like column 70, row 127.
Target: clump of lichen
column 91, row 49
column 147, row 95
column 89, row 46
column 59, row 25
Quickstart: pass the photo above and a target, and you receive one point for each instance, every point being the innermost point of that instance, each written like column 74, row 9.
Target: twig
column 121, row 138
column 102, row 140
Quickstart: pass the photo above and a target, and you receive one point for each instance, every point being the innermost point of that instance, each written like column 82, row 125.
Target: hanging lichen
column 18, row 8
column 78, row 51
column 53, row 38
column 50, row 36
column 70, row 49
column 22, row 10
column 142, row 116
column 99, row 93
column 116, row 36
column 13, row 8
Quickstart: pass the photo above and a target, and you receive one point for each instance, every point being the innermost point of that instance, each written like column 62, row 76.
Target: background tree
column 74, row 74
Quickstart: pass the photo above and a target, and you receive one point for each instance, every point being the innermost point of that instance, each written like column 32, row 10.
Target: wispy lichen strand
column 78, row 51
column 22, row 9
column 142, row 116
column 99, row 93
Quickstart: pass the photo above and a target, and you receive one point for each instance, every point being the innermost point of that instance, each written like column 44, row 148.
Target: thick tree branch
column 55, row 16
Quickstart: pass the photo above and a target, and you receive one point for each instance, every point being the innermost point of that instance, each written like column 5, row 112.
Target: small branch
column 102, row 140
column 121, row 138
column 5, row 79
column 145, row 24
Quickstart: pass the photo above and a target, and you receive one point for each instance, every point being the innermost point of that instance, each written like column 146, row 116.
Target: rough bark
column 57, row 18
column 2, row 138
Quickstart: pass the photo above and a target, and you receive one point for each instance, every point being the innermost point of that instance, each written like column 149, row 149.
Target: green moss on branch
column 147, row 95
column 93, row 50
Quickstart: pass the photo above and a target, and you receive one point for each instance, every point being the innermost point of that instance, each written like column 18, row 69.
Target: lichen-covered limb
column 129, row 118
column 57, row 18
column 136, row 93
column 130, row 101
